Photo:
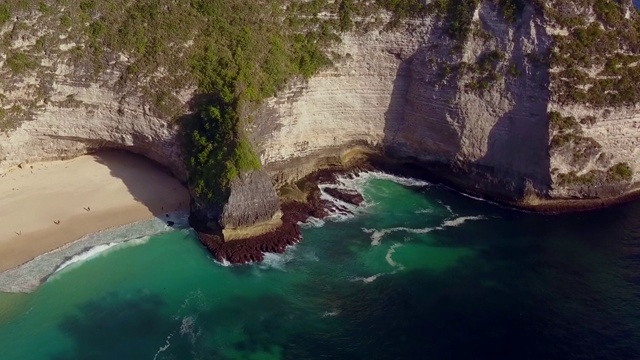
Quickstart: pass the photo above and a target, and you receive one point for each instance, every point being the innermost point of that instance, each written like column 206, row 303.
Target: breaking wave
column 369, row 279
column 377, row 235
column 100, row 250
column 277, row 261
column 354, row 183
column 389, row 256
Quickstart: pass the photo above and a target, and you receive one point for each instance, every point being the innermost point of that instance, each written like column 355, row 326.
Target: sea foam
column 277, row 261
column 342, row 211
column 377, row 235
column 28, row 276
column 100, row 250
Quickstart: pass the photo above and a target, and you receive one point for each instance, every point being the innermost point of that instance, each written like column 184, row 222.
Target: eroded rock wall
column 79, row 118
column 56, row 104
column 412, row 93
column 346, row 105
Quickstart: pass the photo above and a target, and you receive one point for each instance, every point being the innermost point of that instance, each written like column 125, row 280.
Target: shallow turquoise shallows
column 421, row 272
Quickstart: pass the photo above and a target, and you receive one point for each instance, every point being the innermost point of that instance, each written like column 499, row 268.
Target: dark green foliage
column 590, row 178
column 588, row 120
column 238, row 52
column 404, row 8
column 514, row 71
column 5, row 14
column 608, row 11
column 484, row 71
column 569, row 132
column 489, row 60
column 345, row 12
column 245, row 61
column 457, row 14
column 219, row 151
column 610, row 43
column 620, row 172
column 579, row 142
column 19, row 63
column 459, row 18
column 510, row 9
column 564, row 124
column 65, row 21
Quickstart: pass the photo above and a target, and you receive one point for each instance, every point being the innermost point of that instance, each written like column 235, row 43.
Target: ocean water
column 420, row 272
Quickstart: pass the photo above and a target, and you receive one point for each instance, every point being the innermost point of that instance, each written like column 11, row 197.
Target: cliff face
column 342, row 107
column 413, row 93
column 476, row 109
column 61, row 111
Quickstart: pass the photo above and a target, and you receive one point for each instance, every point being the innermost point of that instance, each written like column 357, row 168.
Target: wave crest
column 377, row 235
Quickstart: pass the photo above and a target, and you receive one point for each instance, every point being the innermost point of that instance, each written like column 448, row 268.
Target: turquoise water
column 422, row 272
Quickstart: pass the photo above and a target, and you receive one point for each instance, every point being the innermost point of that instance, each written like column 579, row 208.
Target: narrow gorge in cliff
column 488, row 150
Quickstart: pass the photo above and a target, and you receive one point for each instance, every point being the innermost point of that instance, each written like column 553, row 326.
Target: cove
column 420, row 271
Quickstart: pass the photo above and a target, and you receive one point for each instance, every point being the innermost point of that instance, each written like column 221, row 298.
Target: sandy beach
column 46, row 205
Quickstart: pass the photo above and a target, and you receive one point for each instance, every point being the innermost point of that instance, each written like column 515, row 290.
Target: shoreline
column 45, row 206
column 27, row 277
column 439, row 174
column 301, row 201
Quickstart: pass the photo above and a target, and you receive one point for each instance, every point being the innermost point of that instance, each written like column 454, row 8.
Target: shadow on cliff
column 416, row 126
column 519, row 140
column 148, row 182
column 425, row 127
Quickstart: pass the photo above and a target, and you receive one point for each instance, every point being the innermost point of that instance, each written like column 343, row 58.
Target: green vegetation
column 510, row 9
column 514, row 71
column 572, row 178
column 237, row 53
column 484, row 72
column 609, row 46
column 588, row 120
column 567, row 131
column 5, row 14
column 563, row 124
column 219, row 152
column 405, row 8
column 620, row 172
column 458, row 17
column 19, row 63
column 345, row 12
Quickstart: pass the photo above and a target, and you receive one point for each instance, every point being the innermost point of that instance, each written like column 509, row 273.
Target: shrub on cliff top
column 620, row 172
column 609, row 42
column 4, row 14
column 405, row 8
column 19, row 63
column 564, row 124
column 510, row 9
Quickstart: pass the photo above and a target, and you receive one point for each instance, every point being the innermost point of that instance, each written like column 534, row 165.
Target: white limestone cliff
column 409, row 93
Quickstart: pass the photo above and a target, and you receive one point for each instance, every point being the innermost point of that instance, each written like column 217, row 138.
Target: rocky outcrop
column 252, row 206
column 274, row 241
column 253, row 200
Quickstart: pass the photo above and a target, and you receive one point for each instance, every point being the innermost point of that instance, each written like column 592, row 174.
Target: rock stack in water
column 276, row 241
column 253, row 249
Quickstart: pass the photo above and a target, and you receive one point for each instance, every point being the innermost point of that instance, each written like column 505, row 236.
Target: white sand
column 118, row 188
